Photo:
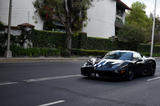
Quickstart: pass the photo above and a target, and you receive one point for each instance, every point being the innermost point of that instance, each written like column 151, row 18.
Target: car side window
column 136, row 56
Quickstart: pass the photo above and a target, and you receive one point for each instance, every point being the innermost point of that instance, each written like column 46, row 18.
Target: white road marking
column 7, row 83
column 51, row 78
column 53, row 103
column 156, row 78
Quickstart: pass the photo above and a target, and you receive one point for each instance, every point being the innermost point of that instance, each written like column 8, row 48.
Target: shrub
column 79, row 40
column 98, row 43
column 47, row 39
column 64, row 52
column 44, row 41
column 148, row 54
column 131, row 34
column 83, row 52
column 1, row 26
column 145, row 48
column 35, row 52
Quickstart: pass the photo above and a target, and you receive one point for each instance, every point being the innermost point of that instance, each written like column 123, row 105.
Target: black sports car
column 119, row 63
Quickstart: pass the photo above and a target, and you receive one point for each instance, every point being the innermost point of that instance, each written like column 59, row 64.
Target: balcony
column 119, row 18
column 119, row 21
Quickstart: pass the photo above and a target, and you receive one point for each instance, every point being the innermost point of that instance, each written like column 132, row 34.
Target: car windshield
column 119, row 55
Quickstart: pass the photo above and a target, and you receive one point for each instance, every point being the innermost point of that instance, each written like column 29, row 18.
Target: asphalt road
column 60, row 84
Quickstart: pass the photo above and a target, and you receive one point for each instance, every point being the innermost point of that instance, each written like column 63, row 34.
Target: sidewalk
column 45, row 59
column 41, row 59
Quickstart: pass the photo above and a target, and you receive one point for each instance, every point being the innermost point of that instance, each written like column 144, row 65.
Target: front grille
column 107, row 74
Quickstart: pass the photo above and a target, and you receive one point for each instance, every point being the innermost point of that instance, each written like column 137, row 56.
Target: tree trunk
column 68, row 40
column 68, row 28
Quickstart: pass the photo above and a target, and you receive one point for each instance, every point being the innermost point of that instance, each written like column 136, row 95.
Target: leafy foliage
column 157, row 30
column 84, row 52
column 54, row 11
column 138, row 18
column 131, row 34
column 49, row 43
column 144, row 48
column 35, row 52
column 49, row 39
column 1, row 25
column 68, row 13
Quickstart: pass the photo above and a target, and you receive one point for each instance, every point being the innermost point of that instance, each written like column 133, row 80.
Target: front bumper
column 90, row 71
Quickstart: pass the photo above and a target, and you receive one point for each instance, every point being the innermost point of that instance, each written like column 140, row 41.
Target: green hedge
column 35, row 52
column 99, row 44
column 79, row 41
column 2, row 44
column 148, row 54
column 83, row 52
column 44, row 41
column 1, row 26
column 145, row 48
column 47, row 39
column 52, row 39
column 94, row 43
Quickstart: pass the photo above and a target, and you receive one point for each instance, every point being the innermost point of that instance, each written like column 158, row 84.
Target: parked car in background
column 120, row 63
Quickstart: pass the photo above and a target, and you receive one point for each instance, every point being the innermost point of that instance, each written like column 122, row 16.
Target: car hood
column 109, row 64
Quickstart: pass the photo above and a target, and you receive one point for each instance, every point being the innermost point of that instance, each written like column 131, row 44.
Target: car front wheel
column 152, row 69
column 130, row 75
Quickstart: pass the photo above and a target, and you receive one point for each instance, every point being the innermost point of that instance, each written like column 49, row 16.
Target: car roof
column 124, row 51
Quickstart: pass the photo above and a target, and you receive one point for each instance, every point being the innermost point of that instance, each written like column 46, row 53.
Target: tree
column 70, row 13
column 1, row 26
column 157, row 30
column 137, row 17
column 131, row 34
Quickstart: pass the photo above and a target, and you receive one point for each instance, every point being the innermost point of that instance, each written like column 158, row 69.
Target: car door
column 139, row 63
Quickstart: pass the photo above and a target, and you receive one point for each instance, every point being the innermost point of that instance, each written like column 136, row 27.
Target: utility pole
column 8, row 52
column 153, row 28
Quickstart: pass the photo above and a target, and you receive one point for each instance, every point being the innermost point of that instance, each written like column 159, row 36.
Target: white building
column 22, row 12
column 105, row 17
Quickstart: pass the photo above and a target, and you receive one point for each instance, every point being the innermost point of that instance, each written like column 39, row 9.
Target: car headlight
column 85, row 64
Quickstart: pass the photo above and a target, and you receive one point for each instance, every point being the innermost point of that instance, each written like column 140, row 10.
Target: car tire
column 152, row 69
column 130, row 75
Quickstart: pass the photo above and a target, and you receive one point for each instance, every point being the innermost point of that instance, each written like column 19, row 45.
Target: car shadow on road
column 104, row 79
column 117, row 80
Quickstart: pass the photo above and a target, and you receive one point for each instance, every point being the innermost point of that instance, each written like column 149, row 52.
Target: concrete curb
column 45, row 59
column 156, row 57
column 41, row 59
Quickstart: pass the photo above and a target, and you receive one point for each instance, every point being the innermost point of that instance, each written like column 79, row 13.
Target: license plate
column 94, row 75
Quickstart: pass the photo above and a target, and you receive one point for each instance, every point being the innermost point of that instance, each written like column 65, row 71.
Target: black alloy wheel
column 130, row 75
column 151, row 69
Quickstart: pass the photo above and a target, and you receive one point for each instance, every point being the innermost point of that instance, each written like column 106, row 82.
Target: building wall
column 22, row 12
column 102, row 17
